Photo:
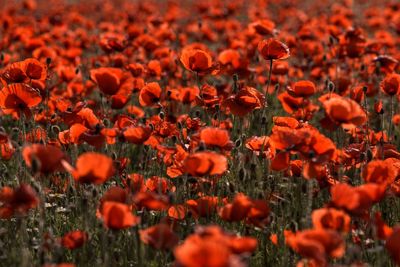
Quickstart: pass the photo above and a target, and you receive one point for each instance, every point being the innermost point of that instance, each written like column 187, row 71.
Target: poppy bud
column 235, row 78
column 277, row 86
column 161, row 115
column 331, row 86
column 238, row 143
column 362, row 67
column 55, row 129
column 217, row 107
column 35, row 165
column 202, row 146
column 179, row 125
column 369, row 155
column 48, row 61
column 76, row 70
column 365, row 89
column 263, row 120
column 1, row 56
column 197, row 114
column 191, row 180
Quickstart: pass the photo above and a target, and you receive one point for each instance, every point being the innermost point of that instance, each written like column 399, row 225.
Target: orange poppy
column 272, row 49
column 111, row 80
column 150, row 94
column 19, row 98
column 205, row 163
column 159, row 236
column 93, row 168
column 117, row 215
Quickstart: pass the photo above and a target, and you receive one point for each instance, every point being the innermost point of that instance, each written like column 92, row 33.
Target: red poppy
column 117, row 215
column 159, row 236
column 203, row 206
column 272, row 49
column 317, row 244
column 330, row 218
column 303, row 88
column 19, row 98
column 137, row 135
column 150, row 94
column 45, row 159
column 17, row 201
column 74, row 239
column 344, row 111
column 111, row 80
column 93, row 168
column 393, row 245
column 25, row 71
column 237, row 210
column 215, row 137
column 391, row 84
column 205, row 163
column 196, row 60
column 356, row 200
column 245, row 101
column 380, row 172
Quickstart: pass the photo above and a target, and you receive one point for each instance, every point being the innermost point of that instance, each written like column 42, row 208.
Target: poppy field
column 200, row 133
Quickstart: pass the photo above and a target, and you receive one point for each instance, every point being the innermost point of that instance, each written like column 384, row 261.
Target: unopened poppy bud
column 1, row 56
column 76, row 70
column 365, row 89
column 263, row 120
column 235, row 78
column 48, row 61
column 197, row 114
column 362, row 67
column 217, row 107
column 331, row 40
column 114, row 156
column 215, row 116
column 331, row 86
column 106, row 122
column 174, row 139
column 277, row 86
column 238, row 143
column 151, row 126
column 324, row 58
column 382, row 111
column 202, row 146
column 179, row 125
column 161, row 115
column 369, row 155
column 191, row 180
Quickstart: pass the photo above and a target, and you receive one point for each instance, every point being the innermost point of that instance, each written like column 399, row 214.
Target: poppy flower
column 74, row 239
column 137, row 135
column 263, row 27
column 344, row 111
column 330, row 218
column 211, row 246
column 237, row 210
column 391, row 84
column 45, row 159
column 317, row 244
column 215, row 137
column 202, row 207
column 25, row 71
column 151, row 201
column 393, row 245
column 150, row 94
column 356, row 200
column 259, row 213
column 205, row 163
column 245, row 101
column 380, row 172
column 272, row 49
column 196, row 60
column 93, row 168
column 303, row 88
column 19, row 98
column 159, row 236
column 112, row 80
column 17, row 201
column 177, row 212
column 117, row 215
